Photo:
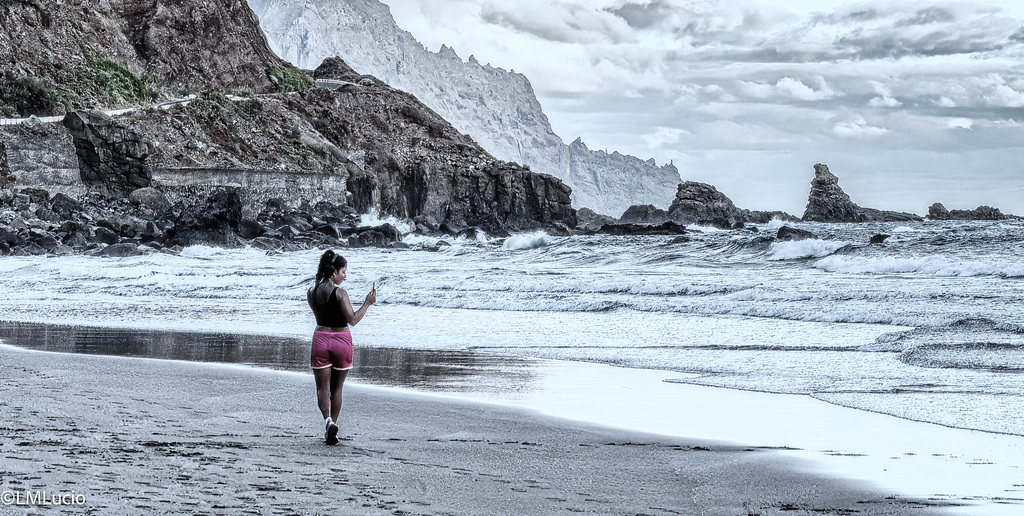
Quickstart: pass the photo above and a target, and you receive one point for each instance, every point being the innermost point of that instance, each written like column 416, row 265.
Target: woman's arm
column 353, row 317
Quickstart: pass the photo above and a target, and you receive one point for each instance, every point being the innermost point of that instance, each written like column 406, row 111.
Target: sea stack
column 828, row 203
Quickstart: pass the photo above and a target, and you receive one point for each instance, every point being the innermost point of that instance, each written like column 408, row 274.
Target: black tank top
column 329, row 312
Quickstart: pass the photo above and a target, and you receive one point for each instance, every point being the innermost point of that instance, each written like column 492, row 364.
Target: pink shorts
column 331, row 349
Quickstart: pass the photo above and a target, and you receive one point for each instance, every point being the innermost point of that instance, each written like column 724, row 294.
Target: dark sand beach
column 157, row 436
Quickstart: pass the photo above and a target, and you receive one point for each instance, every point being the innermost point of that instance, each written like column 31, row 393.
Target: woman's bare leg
column 323, row 390
column 337, row 382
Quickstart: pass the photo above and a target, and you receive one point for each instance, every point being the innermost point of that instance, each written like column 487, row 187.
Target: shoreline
column 189, row 440
column 915, row 459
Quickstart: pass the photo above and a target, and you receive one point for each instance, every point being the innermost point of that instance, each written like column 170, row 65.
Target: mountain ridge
column 497, row 108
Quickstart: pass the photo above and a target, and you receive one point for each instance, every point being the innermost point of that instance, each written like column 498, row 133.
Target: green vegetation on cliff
column 33, row 96
column 114, row 83
column 97, row 82
column 289, row 78
column 214, row 111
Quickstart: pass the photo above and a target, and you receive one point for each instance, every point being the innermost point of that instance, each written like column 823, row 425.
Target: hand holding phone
column 371, row 297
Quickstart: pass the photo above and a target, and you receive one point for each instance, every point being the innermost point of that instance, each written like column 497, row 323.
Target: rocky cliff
column 293, row 163
column 828, row 203
column 58, row 55
column 610, row 183
column 6, row 176
column 497, row 108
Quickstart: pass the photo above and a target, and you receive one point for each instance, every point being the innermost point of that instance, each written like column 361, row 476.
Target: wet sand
column 143, row 436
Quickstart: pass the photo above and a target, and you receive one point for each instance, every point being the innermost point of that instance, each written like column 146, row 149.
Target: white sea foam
column 580, row 293
column 906, row 229
column 776, row 223
column 528, row 241
column 374, row 219
column 201, row 252
column 932, row 265
column 704, row 229
column 800, row 249
column 424, row 240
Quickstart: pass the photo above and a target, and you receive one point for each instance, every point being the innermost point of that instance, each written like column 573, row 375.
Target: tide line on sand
column 136, row 435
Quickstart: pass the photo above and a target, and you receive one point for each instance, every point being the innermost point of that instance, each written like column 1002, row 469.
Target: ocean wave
column 931, row 265
column 203, row 252
column 803, row 249
column 423, row 240
column 997, row 357
column 907, row 229
column 374, row 219
column 775, row 224
column 526, row 241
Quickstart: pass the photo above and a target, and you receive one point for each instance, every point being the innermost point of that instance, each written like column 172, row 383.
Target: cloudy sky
column 908, row 102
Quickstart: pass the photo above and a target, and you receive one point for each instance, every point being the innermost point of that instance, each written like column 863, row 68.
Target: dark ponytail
column 329, row 263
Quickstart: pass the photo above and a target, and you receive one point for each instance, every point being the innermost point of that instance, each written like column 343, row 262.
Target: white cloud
column 757, row 90
column 662, row 136
column 884, row 102
column 881, row 89
column 858, row 128
column 693, row 94
column 1003, row 95
column 801, row 91
column 794, row 73
column 1005, row 124
column 959, row 123
column 788, row 87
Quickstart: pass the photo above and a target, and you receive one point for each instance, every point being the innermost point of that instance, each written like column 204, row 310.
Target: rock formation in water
column 665, row 228
column 497, row 108
column 589, row 220
column 939, row 212
column 643, row 214
column 701, row 203
column 828, row 203
column 698, row 203
column 788, row 234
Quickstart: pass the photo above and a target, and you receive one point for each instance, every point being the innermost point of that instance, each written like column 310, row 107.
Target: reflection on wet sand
column 449, row 371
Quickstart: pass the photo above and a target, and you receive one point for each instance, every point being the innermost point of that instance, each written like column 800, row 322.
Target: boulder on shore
column 379, row 236
column 211, row 222
column 151, row 198
column 828, row 203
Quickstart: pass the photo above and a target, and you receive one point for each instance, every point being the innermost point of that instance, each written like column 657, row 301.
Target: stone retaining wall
column 47, row 162
column 256, row 186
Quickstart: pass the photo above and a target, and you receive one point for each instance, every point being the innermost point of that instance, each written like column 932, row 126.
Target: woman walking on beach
column 331, row 354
